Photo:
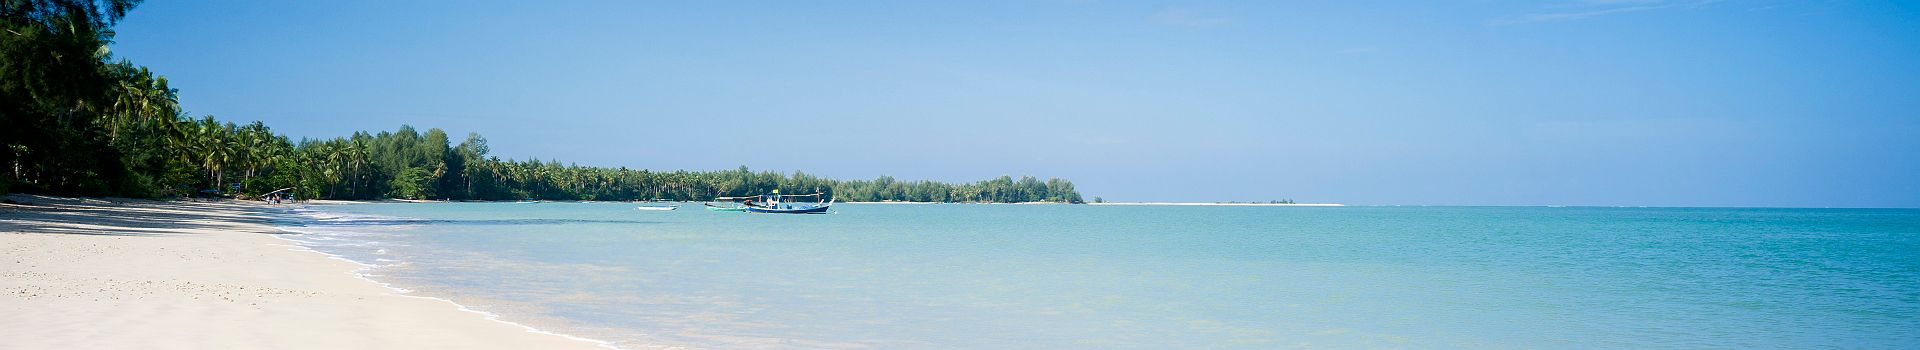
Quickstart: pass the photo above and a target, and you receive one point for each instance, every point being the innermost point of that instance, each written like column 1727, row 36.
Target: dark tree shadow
column 127, row 217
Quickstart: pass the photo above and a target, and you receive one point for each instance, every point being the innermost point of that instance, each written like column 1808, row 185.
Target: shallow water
column 1105, row 277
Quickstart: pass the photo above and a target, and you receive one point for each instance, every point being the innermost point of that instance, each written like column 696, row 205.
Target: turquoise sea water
column 956, row 276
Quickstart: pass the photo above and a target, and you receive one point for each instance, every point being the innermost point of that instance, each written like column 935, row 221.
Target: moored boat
column 818, row 208
column 731, row 203
column 775, row 203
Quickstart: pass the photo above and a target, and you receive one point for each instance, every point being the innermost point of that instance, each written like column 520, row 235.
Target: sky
column 1596, row 102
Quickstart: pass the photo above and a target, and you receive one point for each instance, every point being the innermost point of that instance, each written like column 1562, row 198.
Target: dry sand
column 136, row 274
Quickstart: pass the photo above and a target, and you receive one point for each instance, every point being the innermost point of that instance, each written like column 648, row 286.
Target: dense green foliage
column 409, row 164
column 78, row 123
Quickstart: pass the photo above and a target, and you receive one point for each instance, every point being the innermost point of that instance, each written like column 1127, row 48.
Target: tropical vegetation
column 79, row 122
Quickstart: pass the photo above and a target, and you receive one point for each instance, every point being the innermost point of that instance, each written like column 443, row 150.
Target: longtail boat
column 731, row 203
column 775, row 203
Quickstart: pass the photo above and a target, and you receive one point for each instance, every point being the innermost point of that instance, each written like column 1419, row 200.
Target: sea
column 1000, row 276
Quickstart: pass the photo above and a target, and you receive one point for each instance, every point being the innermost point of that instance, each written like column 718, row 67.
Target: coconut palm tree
column 259, row 149
column 215, row 149
column 139, row 98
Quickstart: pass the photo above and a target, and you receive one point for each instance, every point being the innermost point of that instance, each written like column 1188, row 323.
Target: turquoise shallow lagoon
column 972, row 276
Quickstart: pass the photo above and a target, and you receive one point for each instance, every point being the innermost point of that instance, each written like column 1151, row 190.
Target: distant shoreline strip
column 1229, row 204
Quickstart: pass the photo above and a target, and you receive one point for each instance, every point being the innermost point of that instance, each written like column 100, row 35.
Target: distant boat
column 728, row 203
column 775, row 203
column 818, row 208
column 656, row 207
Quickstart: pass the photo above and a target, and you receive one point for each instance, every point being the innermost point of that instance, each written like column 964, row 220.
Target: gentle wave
column 305, row 230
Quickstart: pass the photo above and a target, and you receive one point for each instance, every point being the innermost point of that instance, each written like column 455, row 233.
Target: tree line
column 79, row 122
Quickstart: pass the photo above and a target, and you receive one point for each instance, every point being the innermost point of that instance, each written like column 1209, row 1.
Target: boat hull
column 809, row 210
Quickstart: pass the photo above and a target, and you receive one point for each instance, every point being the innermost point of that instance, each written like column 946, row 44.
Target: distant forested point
column 78, row 122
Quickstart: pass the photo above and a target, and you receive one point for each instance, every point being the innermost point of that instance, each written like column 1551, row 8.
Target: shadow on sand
column 128, row 217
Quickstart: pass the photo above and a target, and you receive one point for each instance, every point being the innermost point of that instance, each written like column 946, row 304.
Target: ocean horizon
column 971, row 276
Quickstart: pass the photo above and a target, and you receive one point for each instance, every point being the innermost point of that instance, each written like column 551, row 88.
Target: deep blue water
column 1136, row 277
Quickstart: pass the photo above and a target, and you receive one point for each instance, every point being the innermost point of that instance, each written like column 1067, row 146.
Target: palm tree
column 215, row 149
column 334, row 154
column 138, row 97
column 258, row 145
column 358, row 156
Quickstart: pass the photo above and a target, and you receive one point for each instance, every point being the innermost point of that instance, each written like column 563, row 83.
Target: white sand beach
column 138, row 274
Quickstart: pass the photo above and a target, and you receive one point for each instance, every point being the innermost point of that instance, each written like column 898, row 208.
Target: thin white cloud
column 1636, row 6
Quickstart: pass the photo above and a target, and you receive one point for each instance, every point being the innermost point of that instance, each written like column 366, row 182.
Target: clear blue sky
column 1601, row 102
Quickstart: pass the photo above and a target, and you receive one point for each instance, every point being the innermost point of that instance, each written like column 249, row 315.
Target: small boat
column 729, row 203
column 818, row 208
column 775, row 203
column 656, row 207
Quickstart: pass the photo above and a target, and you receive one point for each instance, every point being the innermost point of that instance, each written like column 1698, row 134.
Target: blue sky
column 1604, row 102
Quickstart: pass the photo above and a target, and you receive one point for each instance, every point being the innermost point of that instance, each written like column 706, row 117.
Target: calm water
column 1124, row 277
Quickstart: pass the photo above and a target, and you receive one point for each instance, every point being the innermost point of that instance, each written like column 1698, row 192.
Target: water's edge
column 1111, row 277
column 365, row 269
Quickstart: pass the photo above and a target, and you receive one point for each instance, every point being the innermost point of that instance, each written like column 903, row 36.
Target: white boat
column 656, row 208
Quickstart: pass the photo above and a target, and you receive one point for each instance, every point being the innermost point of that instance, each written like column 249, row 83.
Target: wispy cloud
column 1597, row 8
column 1187, row 17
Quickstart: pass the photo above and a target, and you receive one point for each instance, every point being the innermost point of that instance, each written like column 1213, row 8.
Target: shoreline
column 362, row 274
column 129, row 273
column 1225, row 204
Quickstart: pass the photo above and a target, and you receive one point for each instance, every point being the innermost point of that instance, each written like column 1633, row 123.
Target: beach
column 114, row 273
column 121, row 273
